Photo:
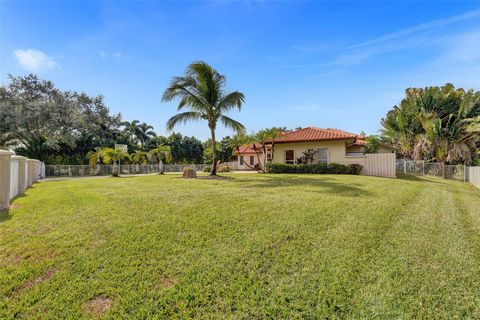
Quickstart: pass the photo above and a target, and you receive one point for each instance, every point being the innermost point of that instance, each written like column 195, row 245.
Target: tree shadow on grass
column 5, row 215
column 319, row 185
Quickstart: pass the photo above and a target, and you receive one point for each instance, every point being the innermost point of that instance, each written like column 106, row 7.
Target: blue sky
column 313, row 63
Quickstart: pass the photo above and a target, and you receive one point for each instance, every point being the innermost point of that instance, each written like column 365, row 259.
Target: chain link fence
column 435, row 169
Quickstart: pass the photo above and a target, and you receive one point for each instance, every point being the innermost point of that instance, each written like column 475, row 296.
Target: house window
column 241, row 160
column 290, row 156
column 252, row 160
column 269, row 157
column 321, row 155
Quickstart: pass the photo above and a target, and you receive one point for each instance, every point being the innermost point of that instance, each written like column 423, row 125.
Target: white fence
column 16, row 175
column 380, row 165
column 473, row 175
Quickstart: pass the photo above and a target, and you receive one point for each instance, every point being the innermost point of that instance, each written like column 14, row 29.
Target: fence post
column 5, row 158
column 30, row 172
column 464, row 173
column 423, row 168
column 443, row 169
column 404, row 166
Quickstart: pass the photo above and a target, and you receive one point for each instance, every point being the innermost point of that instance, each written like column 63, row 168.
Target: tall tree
column 201, row 91
column 130, row 128
column 144, row 132
column 435, row 124
column 42, row 122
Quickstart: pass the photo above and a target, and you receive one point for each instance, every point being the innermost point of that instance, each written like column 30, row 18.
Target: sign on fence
column 121, row 147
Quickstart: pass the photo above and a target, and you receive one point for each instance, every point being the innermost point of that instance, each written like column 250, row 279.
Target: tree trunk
column 258, row 158
column 264, row 159
column 214, row 154
column 160, row 166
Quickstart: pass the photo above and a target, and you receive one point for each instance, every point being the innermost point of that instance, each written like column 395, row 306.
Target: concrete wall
column 16, row 174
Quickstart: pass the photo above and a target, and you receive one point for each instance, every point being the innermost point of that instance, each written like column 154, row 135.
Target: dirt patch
column 14, row 206
column 167, row 282
column 47, row 275
column 98, row 305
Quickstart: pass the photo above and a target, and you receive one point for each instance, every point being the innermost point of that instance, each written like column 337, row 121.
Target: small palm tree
column 201, row 90
column 112, row 156
column 95, row 158
column 159, row 155
column 138, row 158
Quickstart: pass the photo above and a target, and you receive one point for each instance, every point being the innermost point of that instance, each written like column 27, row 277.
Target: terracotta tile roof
column 315, row 134
column 249, row 148
column 360, row 141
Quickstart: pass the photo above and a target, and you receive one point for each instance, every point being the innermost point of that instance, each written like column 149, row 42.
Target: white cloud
column 118, row 55
column 34, row 60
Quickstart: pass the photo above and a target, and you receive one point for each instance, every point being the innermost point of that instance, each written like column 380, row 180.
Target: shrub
column 207, row 169
column 321, row 168
column 224, row 169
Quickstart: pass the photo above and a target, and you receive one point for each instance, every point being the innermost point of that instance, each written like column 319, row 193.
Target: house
column 327, row 145
column 248, row 156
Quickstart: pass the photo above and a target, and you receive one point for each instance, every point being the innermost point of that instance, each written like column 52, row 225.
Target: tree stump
column 189, row 173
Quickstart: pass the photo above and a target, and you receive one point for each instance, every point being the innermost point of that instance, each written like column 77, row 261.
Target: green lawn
column 256, row 246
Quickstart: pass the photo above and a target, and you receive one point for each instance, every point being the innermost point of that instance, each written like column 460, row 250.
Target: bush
column 207, row 169
column 224, row 169
column 321, row 168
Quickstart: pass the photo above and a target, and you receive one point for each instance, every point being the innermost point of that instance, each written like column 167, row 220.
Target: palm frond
column 232, row 124
column 230, row 101
column 183, row 118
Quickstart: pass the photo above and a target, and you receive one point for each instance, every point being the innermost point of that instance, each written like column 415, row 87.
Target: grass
column 256, row 246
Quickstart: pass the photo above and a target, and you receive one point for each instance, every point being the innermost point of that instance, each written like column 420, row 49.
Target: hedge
column 321, row 168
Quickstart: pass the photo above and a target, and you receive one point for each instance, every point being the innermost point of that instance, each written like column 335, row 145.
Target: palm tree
column 130, row 128
column 137, row 158
column 160, row 154
column 95, row 158
column 264, row 137
column 113, row 156
column 144, row 132
column 239, row 140
column 201, row 91
column 436, row 124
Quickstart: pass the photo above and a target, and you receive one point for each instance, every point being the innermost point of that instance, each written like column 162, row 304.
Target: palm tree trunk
column 264, row 159
column 160, row 165
column 258, row 158
column 214, row 154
